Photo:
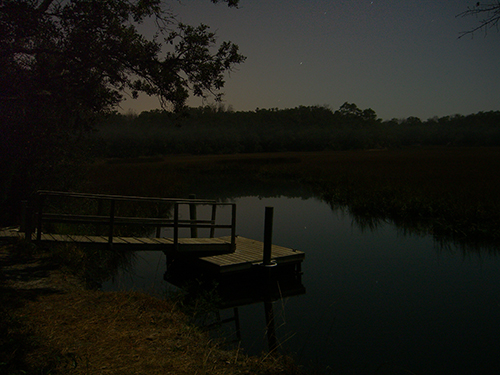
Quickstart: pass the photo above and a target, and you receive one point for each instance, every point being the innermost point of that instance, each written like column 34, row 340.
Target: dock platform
column 194, row 246
column 52, row 217
column 249, row 253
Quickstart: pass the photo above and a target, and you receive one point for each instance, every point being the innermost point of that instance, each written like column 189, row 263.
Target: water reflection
column 377, row 300
column 264, row 286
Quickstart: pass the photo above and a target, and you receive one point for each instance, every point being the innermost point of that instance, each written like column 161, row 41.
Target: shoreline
column 53, row 324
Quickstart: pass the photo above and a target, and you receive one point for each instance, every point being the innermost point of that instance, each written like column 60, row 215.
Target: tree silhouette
column 490, row 13
column 65, row 63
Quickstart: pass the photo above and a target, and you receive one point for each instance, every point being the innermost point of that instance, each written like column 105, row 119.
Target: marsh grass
column 449, row 192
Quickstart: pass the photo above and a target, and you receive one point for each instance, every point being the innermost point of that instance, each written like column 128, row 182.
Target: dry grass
column 125, row 333
column 51, row 327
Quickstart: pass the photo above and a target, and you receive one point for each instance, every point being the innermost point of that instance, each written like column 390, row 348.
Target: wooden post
column 192, row 216
column 100, row 209
column 24, row 207
column 160, row 214
column 40, row 201
column 111, row 222
column 268, row 235
column 176, row 226
column 233, row 227
column 27, row 221
column 214, row 213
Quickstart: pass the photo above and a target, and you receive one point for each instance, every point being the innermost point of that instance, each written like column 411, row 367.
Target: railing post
column 233, row 227
column 176, row 226
column 100, row 210
column 24, row 207
column 268, row 235
column 158, row 228
column 111, row 221
column 212, row 228
column 27, row 220
column 193, row 217
column 40, row 201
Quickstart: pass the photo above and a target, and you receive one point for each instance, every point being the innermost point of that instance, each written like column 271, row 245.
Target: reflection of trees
column 443, row 239
column 242, row 184
column 365, row 215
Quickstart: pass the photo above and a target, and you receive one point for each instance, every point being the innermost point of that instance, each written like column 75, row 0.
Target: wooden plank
column 98, row 239
column 11, row 233
column 80, row 239
column 248, row 254
column 53, row 237
column 118, row 241
column 130, row 240
column 203, row 241
column 147, row 241
column 164, row 241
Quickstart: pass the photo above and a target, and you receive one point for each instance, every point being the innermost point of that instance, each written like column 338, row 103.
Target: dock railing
column 37, row 214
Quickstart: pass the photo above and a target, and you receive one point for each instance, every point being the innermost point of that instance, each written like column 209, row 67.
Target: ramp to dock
column 194, row 246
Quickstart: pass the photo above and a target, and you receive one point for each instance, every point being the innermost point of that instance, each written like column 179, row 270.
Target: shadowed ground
column 51, row 324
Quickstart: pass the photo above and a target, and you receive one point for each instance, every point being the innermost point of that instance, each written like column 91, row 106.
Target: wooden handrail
column 111, row 220
column 125, row 197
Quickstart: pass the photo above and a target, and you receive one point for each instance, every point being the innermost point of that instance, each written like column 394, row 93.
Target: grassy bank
column 451, row 192
column 50, row 324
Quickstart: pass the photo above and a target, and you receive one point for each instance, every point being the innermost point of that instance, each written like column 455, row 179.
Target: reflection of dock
column 238, row 289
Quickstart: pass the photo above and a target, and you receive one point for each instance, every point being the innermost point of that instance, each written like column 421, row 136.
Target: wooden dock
column 248, row 254
column 194, row 246
column 222, row 260
column 218, row 255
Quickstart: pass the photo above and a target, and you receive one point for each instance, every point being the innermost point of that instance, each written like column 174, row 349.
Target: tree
column 64, row 63
column 489, row 11
column 351, row 114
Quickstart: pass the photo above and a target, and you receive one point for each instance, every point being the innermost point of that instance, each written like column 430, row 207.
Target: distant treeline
column 217, row 130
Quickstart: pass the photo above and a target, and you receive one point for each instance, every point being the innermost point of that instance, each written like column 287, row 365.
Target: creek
column 377, row 299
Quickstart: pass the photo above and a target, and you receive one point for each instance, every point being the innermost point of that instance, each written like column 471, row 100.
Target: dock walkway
column 247, row 254
column 220, row 255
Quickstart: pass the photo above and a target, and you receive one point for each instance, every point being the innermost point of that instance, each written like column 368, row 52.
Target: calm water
column 375, row 302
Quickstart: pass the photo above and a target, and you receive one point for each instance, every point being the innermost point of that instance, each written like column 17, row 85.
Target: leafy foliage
column 65, row 63
column 216, row 130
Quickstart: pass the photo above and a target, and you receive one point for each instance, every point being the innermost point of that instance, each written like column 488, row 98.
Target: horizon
column 399, row 59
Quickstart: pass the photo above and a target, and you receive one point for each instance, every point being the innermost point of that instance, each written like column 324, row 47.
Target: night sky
column 399, row 57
